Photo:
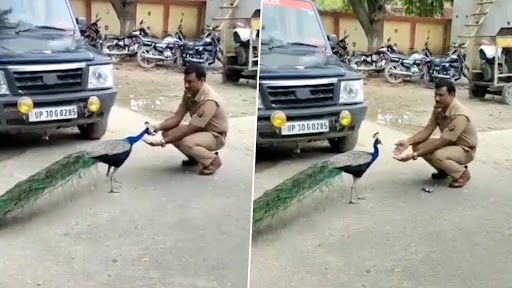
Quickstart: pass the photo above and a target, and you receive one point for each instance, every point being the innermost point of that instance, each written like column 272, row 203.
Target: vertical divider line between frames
column 254, row 146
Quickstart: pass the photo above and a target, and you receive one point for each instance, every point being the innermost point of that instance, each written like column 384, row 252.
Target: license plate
column 305, row 127
column 53, row 113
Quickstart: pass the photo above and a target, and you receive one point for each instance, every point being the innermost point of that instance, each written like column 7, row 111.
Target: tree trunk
column 125, row 13
column 371, row 20
column 375, row 36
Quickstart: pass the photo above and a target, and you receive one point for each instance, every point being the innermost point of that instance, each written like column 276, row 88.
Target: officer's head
column 444, row 94
column 195, row 76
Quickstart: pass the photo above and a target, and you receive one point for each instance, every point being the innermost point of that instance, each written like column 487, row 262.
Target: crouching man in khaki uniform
column 206, row 132
column 456, row 147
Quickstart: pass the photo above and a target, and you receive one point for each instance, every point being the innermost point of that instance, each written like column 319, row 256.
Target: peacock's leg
column 357, row 193
column 108, row 171
column 351, row 192
column 112, row 180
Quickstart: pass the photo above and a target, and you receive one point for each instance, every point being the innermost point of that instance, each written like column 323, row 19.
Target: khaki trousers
column 450, row 159
column 201, row 146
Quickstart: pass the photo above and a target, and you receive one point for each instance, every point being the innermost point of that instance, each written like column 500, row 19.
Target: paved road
column 162, row 230
column 399, row 236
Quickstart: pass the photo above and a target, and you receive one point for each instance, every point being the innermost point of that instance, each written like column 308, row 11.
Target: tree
column 124, row 11
column 370, row 13
column 4, row 16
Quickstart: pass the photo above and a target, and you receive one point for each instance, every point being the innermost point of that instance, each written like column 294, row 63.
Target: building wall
column 162, row 16
column 409, row 33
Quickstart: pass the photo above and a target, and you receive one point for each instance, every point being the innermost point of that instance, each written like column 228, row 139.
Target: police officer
column 206, row 132
column 455, row 149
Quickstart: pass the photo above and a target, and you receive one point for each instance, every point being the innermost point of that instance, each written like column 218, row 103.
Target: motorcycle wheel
column 431, row 83
column 182, row 63
column 391, row 78
column 145, row 63
column 111, row 47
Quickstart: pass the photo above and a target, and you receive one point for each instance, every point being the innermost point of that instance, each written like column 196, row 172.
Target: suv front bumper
column 12, row 121
column 266, row 133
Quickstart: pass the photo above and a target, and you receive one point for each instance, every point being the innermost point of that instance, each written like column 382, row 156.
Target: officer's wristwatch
column 414, row 156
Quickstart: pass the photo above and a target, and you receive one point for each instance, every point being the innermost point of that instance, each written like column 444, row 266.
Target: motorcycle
column 118, row 47
column 450, row 66
column 402, row 67
column 92, row 34
column 340, row 48
column 242, row 39
column 376, row 61
column 204, row 50
column 159, row 51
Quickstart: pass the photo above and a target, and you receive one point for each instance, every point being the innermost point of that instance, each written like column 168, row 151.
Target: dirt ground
column 156, row 92
column 404, row 107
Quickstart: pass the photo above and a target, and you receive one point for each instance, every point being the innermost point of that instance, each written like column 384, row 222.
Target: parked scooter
column 403, row 67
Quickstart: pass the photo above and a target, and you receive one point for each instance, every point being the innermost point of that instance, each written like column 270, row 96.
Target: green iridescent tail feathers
column 43, row 181
column 288, row 192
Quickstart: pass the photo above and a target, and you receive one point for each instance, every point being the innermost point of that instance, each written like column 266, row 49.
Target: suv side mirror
column 80, row 21
column 332, row 38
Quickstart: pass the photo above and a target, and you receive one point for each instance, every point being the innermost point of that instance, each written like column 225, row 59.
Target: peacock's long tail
column 286, row 193
column 35, row 186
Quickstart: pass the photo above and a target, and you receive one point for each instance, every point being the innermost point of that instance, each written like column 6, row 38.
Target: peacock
column 356, row 163
column 282, row 196
column 113, row 153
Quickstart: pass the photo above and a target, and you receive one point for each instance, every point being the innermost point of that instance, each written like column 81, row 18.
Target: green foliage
column 4, row 16
column 421, row 8
column 424, row 8
column 333, row 5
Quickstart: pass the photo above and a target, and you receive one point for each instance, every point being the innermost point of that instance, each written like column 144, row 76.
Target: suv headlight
column 352, row 92
column 4, row 89
column 101, row 76
column 260, row 105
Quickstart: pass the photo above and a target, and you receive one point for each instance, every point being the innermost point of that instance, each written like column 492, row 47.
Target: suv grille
column 301, row 96
column 49, row 81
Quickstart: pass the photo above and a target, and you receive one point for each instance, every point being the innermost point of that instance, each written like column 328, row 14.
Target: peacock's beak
column 380, row 142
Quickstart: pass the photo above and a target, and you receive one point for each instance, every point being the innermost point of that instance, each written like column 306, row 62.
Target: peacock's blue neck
column 375, row 153
column 134, row 139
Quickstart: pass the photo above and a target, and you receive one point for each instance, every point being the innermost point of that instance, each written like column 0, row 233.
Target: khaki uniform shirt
column 207, row 110
column 456, row 125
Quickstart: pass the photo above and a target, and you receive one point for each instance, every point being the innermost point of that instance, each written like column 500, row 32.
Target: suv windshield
column 291, row 22
column 40, row 14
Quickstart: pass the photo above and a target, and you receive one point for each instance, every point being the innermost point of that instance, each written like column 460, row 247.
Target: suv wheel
column 344, row 144
column 94, row 131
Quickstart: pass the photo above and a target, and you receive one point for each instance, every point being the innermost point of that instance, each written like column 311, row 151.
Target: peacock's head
column 149, row 129
column 376, row 139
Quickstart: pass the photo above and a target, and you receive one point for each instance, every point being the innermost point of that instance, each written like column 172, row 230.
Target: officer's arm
column 454, row 129
column 203, row 116
column 448, row 137
column 198, row 121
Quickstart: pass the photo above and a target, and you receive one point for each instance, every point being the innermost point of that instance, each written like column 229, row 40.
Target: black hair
column 195, row 68
column 450, row 86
